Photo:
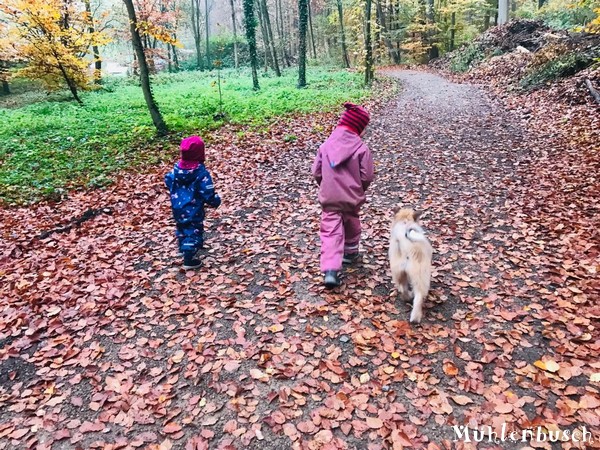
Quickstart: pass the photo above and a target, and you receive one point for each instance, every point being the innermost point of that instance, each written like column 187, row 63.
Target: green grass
column 51, row 146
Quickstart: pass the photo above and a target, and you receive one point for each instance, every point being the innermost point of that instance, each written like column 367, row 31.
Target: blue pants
column 191, row 237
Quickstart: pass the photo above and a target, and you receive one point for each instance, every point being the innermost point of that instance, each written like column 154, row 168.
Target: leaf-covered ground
column 106, row 343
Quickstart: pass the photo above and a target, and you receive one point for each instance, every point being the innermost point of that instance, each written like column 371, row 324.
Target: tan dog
column 410, row 259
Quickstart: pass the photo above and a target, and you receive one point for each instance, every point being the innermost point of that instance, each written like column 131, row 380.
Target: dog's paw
column 416, row 316
column 406, row 297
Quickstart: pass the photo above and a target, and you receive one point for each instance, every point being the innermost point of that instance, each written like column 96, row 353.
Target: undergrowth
column 50, row 146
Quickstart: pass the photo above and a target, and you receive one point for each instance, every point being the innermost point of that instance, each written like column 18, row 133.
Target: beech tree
column 268, row 36
column 53, row 37
column 343, row 34
column 157, row 119
column 196, row 18
column 207, row 30
column 302, row 28
column 250, row 25
column 235, row 38
column 157, row 23
column 368, row 45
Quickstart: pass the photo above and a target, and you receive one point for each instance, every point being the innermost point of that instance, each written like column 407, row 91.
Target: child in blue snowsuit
column 191, row 187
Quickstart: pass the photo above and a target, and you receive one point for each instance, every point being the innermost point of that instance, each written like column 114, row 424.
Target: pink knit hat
column 192, row 153
column 355, row 117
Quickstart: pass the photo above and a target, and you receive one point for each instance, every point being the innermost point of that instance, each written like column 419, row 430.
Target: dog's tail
column 415, row 236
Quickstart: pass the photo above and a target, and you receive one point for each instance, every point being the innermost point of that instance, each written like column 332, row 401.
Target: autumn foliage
column 53, row 36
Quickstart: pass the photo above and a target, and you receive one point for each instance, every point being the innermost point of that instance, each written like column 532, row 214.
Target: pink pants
column 340, row 233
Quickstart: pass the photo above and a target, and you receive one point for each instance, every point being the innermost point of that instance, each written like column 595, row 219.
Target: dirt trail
column 250, row 352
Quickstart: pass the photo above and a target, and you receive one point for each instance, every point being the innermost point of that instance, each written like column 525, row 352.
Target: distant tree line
column 56, row 41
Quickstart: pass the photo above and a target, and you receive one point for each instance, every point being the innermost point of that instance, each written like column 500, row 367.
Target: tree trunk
column 175, row 56
column 235, row 42
column 70, row 82
column 149, row 58
column 434, row 52
column 293, row 33
column 377, row 37
column 265, row 38
column 368, row 45
column 250, row 25
column 269, row 30
column 385, row 33
column 159, row 123
column 5, row 87
column 169, row 59
column 65, row 17
column 95, row 49
column 503, row 11
column 196, row 33
column 343, row 34
column 592, row 90
column 302, row 26
column 486, row 20
column 208, row 62
column 280, row 33
column 312, row 34
column 453, row 31
column 97, row 65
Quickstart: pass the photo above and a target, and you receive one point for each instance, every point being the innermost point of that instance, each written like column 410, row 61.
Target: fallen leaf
column 461, row 399
column 549, row 366
column 171, row 427
column 374, row 422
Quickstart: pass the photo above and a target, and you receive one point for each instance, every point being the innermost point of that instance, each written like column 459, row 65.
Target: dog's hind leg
column 421, row 289
column 401, row 282
column 417, row 310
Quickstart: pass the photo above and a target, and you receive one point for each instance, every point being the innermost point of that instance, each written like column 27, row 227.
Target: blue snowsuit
column 190, row 190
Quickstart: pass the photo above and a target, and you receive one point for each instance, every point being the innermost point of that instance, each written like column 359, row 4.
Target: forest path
column 103, row 331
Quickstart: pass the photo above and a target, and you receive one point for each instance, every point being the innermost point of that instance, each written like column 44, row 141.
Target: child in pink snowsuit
column 344, row 170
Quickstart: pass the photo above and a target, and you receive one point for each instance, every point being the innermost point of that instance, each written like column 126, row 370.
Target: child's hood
column 184, row 176
column 340, row 147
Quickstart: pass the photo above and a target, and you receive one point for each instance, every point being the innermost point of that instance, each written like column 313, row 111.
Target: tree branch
column 593, row 91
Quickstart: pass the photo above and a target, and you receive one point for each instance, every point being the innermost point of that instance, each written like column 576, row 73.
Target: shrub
column 221, row 48
column 563, row 66
column 466, row 57
column 568, row 14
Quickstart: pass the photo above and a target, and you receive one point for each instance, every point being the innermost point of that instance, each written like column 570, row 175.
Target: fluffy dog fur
column 410, row 259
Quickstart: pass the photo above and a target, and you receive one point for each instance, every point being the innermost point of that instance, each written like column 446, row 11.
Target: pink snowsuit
column 344, row 170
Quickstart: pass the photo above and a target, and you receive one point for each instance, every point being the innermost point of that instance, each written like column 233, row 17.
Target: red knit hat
column 355, row 117
column 192, row 153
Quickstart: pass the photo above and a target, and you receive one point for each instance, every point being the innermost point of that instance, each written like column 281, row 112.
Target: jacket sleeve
column 317, row 166
column 169, row 180
column 367, row 168
column 207, row 192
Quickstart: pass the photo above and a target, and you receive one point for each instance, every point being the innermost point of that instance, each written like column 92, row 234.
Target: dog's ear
column 417, row 215
column 396, row 209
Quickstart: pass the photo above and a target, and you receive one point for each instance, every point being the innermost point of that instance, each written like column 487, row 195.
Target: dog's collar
column 409, row 230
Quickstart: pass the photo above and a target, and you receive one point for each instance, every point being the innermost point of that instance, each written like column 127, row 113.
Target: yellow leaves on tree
column 53, row 37
column 158, row 19
column 157, row 32
column 594, row 25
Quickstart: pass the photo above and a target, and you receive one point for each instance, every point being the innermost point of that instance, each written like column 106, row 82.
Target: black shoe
column 332, row 279
column 191, row 263
column 350, row 258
